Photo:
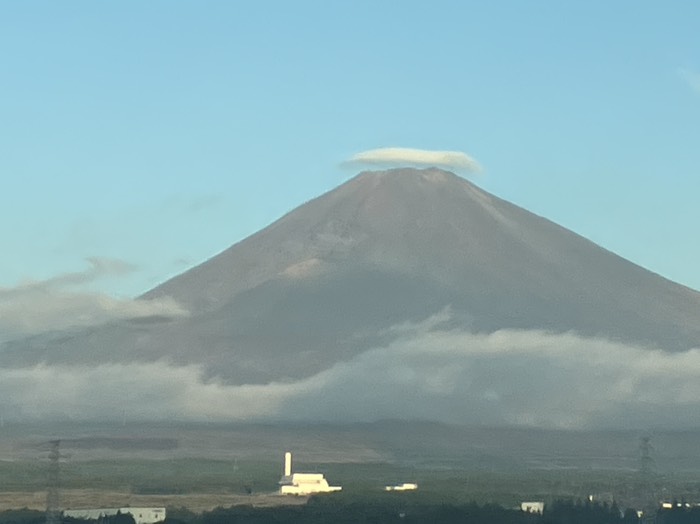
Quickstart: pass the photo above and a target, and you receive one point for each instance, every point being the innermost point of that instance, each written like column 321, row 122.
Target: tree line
column 333, row 510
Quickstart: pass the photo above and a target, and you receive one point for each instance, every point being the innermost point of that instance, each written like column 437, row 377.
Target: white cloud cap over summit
column 401, row 156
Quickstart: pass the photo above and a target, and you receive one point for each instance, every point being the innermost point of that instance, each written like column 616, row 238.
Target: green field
column 449, row 463
column 366, row 480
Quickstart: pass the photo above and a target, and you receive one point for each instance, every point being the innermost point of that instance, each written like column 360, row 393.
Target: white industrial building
column 532, row 507
column 406, row 486
column 141, row 515
column 302, row 483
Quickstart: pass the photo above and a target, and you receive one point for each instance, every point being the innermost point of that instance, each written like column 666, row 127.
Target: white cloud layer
column 525, row 378
column 401, row 156
column 60, row 302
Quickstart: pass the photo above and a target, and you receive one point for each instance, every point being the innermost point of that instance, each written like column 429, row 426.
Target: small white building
column 406, row 486
column 532, row 507
column 141, row 515
column 302, row 483
column 671, row 505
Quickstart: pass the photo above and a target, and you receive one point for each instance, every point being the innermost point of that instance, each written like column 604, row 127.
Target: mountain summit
column 335, row 276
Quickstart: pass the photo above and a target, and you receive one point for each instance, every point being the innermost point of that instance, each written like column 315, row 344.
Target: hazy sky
column 159, row 133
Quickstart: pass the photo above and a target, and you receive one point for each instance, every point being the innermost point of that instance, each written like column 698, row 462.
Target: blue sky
column 159, row 133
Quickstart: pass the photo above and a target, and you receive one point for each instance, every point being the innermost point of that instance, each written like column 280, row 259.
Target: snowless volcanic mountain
column 359, row 266
column 327, row 281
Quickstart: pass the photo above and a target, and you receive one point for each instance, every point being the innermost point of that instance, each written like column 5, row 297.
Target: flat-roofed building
column 406, row 486
column 302, row 483
column 532, row 507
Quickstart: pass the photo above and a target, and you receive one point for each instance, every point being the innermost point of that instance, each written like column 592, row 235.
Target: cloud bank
column 400, row 156
column 61, row 302
column 522, row 378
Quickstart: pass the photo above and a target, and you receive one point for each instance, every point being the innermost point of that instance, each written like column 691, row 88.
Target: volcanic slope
column 327, row 281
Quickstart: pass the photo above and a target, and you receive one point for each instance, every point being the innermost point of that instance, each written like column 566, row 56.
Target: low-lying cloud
column 525, row 378
column 401, row 156
column 61, row 302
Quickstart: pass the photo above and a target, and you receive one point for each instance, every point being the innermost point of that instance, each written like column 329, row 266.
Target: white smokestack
column 288, row 464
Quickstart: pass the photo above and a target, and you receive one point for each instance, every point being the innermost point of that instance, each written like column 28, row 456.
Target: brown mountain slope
column 327, row 280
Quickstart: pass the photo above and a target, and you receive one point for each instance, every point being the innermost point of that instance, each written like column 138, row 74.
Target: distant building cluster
column 677, row 505
column 311, row 483
column 140, row 515
column 290, row 484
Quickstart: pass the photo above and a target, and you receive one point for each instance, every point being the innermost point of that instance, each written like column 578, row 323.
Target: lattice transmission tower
column 646, row 463
column 647, row 476
column 53, row 503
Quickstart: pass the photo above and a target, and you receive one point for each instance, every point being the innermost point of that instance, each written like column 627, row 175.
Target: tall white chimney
column 288, row 464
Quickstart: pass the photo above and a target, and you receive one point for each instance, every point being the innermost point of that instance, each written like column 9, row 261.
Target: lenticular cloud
column 401, row 156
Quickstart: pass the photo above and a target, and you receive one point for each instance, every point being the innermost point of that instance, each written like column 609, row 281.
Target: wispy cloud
column 401, row 156
column 191, row 204
column 691, row 77
column 430, row 372
column 99, row 267
column 60, row 302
